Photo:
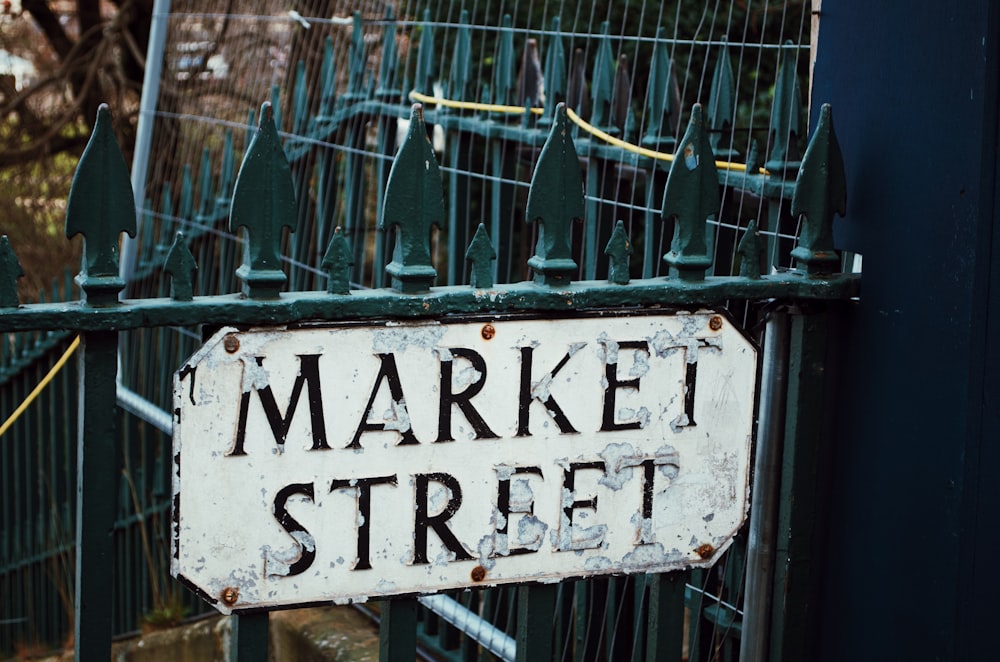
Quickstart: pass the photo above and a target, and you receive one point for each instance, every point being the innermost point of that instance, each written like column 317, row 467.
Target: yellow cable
column 41, row 385
column 471, row 105
column 594, row 131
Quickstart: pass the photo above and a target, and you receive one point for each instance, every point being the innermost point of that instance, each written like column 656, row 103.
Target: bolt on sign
column 340, row 463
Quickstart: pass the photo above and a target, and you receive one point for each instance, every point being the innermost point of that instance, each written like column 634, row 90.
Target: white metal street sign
column 342, row 463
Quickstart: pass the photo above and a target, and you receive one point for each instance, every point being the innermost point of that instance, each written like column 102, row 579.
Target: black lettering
column 364, row 487
column 390, row 374
column 690, row 380
column 463, row 399
column 422, row 520
column 503, row 506
column 608, row 423
column 309, row 375
column 646, row 523
column 527, row 396
column 595, row 534
column 304, row 541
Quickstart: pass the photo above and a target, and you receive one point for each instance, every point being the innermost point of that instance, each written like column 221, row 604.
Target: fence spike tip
column 481, row 254
column 618, row 250
column 10, row 271
column 749, row 250
column 413, row 203
column 180, row 265
column 555, row 200
column 101, row 206
column 337, row 263
column 264, row 202
column 691, row 197
column 820, row 192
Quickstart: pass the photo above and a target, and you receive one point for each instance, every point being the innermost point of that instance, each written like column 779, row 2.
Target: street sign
column 343, row 463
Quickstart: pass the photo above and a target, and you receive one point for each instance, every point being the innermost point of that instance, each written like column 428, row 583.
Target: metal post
column 767, row 477
column 144, row 129
column 248, row 642
column 97, row 472
column 536, row 604
column 397, row 632
column 665, row 631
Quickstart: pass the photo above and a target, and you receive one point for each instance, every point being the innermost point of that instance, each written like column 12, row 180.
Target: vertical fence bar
column 536, row 605
column 248, row 642
column 664, row 631
column 397, row 635
column 96, row 494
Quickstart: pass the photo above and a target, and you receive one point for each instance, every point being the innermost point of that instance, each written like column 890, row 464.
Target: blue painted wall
column 912, row 534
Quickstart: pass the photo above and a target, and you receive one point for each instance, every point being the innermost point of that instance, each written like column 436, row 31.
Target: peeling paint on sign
column 342, row 463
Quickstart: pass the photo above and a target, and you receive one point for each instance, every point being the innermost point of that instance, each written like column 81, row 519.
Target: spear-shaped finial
column 263, row 203
column 414, row 201
column 503, row 78
column 554, row 74
column 481, row 255
column 820, row 192
column 180, row 265
column 426, row 67
column 387, row 89
column 662, row 98
column 357, row 62
column 722, row 107
column 749, row 251
column 603, row 89
column 100, row 207
column 555, row 200
column 461, row 62
column 618, row 250
column 337, row 263
column 10, row 271
column 786, row 116
column 691, row 197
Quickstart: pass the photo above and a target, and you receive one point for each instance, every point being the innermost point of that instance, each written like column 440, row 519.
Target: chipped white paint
column 614, row 462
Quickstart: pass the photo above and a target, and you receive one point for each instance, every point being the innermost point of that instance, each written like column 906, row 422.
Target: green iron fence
column 337, row 188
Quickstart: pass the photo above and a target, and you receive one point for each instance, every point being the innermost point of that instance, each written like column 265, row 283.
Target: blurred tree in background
column 60, row 60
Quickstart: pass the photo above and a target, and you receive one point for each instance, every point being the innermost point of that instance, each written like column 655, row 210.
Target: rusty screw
column 715, row 323
column 705, row 551
column 488, row 332
column 230, row 595
column 478, row 573
column 231, row 343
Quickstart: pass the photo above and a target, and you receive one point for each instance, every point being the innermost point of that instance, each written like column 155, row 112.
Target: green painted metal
column 413, row 203
column 786, row 116
column 97, row 462
column 387, row 89
column 397, row 637
column 750, row 252
column 181, row 267
column 535, row 607
column 503, row 77
column 554, row 73
column 263, row 203
column 820, row 192
column 722, row 107
column 461, row 62
column 249, row 638
column 357, row 63
column 619, row 249
column 691, row 198
column 665, row 635
column 602, row 87
column 555, row 201
column 426, row 67
column 662, row 99
column 337, row 263
column 100, row 207
column 482, row 255
column 10, row 271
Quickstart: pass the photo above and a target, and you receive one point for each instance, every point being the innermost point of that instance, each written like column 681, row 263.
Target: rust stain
column 705, row 551
column 478, row 573
column 488, row 332
column 231, row 343
column 715, row 323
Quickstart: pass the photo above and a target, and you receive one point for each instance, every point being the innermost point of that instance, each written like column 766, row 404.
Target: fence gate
column 349, row 445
